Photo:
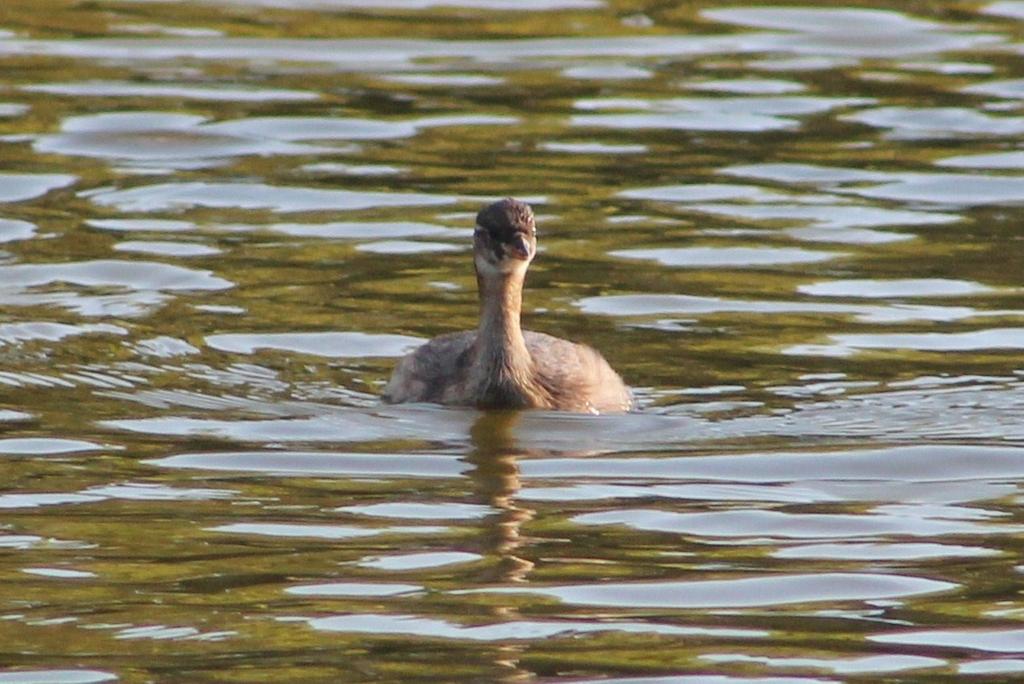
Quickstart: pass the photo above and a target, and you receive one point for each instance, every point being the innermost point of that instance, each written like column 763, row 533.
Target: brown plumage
column 499, row 365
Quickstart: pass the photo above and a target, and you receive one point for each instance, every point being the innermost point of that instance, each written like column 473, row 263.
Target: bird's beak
column 520, row 247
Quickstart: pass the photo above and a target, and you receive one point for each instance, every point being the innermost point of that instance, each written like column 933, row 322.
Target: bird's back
column 428, row 373
column 574, row 377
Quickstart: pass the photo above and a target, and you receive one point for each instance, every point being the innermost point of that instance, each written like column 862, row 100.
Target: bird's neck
column 500, row 338
column 503, row 364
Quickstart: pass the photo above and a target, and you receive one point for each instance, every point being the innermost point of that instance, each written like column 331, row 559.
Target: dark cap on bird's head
column 509, row 226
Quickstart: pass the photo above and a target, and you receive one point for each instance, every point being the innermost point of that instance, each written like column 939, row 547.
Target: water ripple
column 284, row 199
column 216, row 93
column 12, row 230
column 51, row 676
column 991, row 640
column 777, row 524
column 852, row 666
column 505, row 631
column 851, row 31
column 749, row 592
column 17, row 187
column 724, row 257
column 291, row 463
column 327, row 344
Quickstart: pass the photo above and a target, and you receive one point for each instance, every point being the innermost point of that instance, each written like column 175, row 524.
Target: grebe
column 499, row 365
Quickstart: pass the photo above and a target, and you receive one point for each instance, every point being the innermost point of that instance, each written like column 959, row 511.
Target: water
column 793, row 230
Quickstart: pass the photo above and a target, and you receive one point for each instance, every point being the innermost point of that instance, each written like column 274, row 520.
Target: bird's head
column 505, row 239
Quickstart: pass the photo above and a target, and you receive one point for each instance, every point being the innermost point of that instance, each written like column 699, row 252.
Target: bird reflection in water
column 496, row 483
column 495, row 475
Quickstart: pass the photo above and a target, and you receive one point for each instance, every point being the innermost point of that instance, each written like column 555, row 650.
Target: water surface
column 794, row 230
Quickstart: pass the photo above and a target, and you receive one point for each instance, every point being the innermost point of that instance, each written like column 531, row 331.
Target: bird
column 499, row 365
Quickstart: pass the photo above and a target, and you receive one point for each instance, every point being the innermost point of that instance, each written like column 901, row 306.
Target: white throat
column 502, row 269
